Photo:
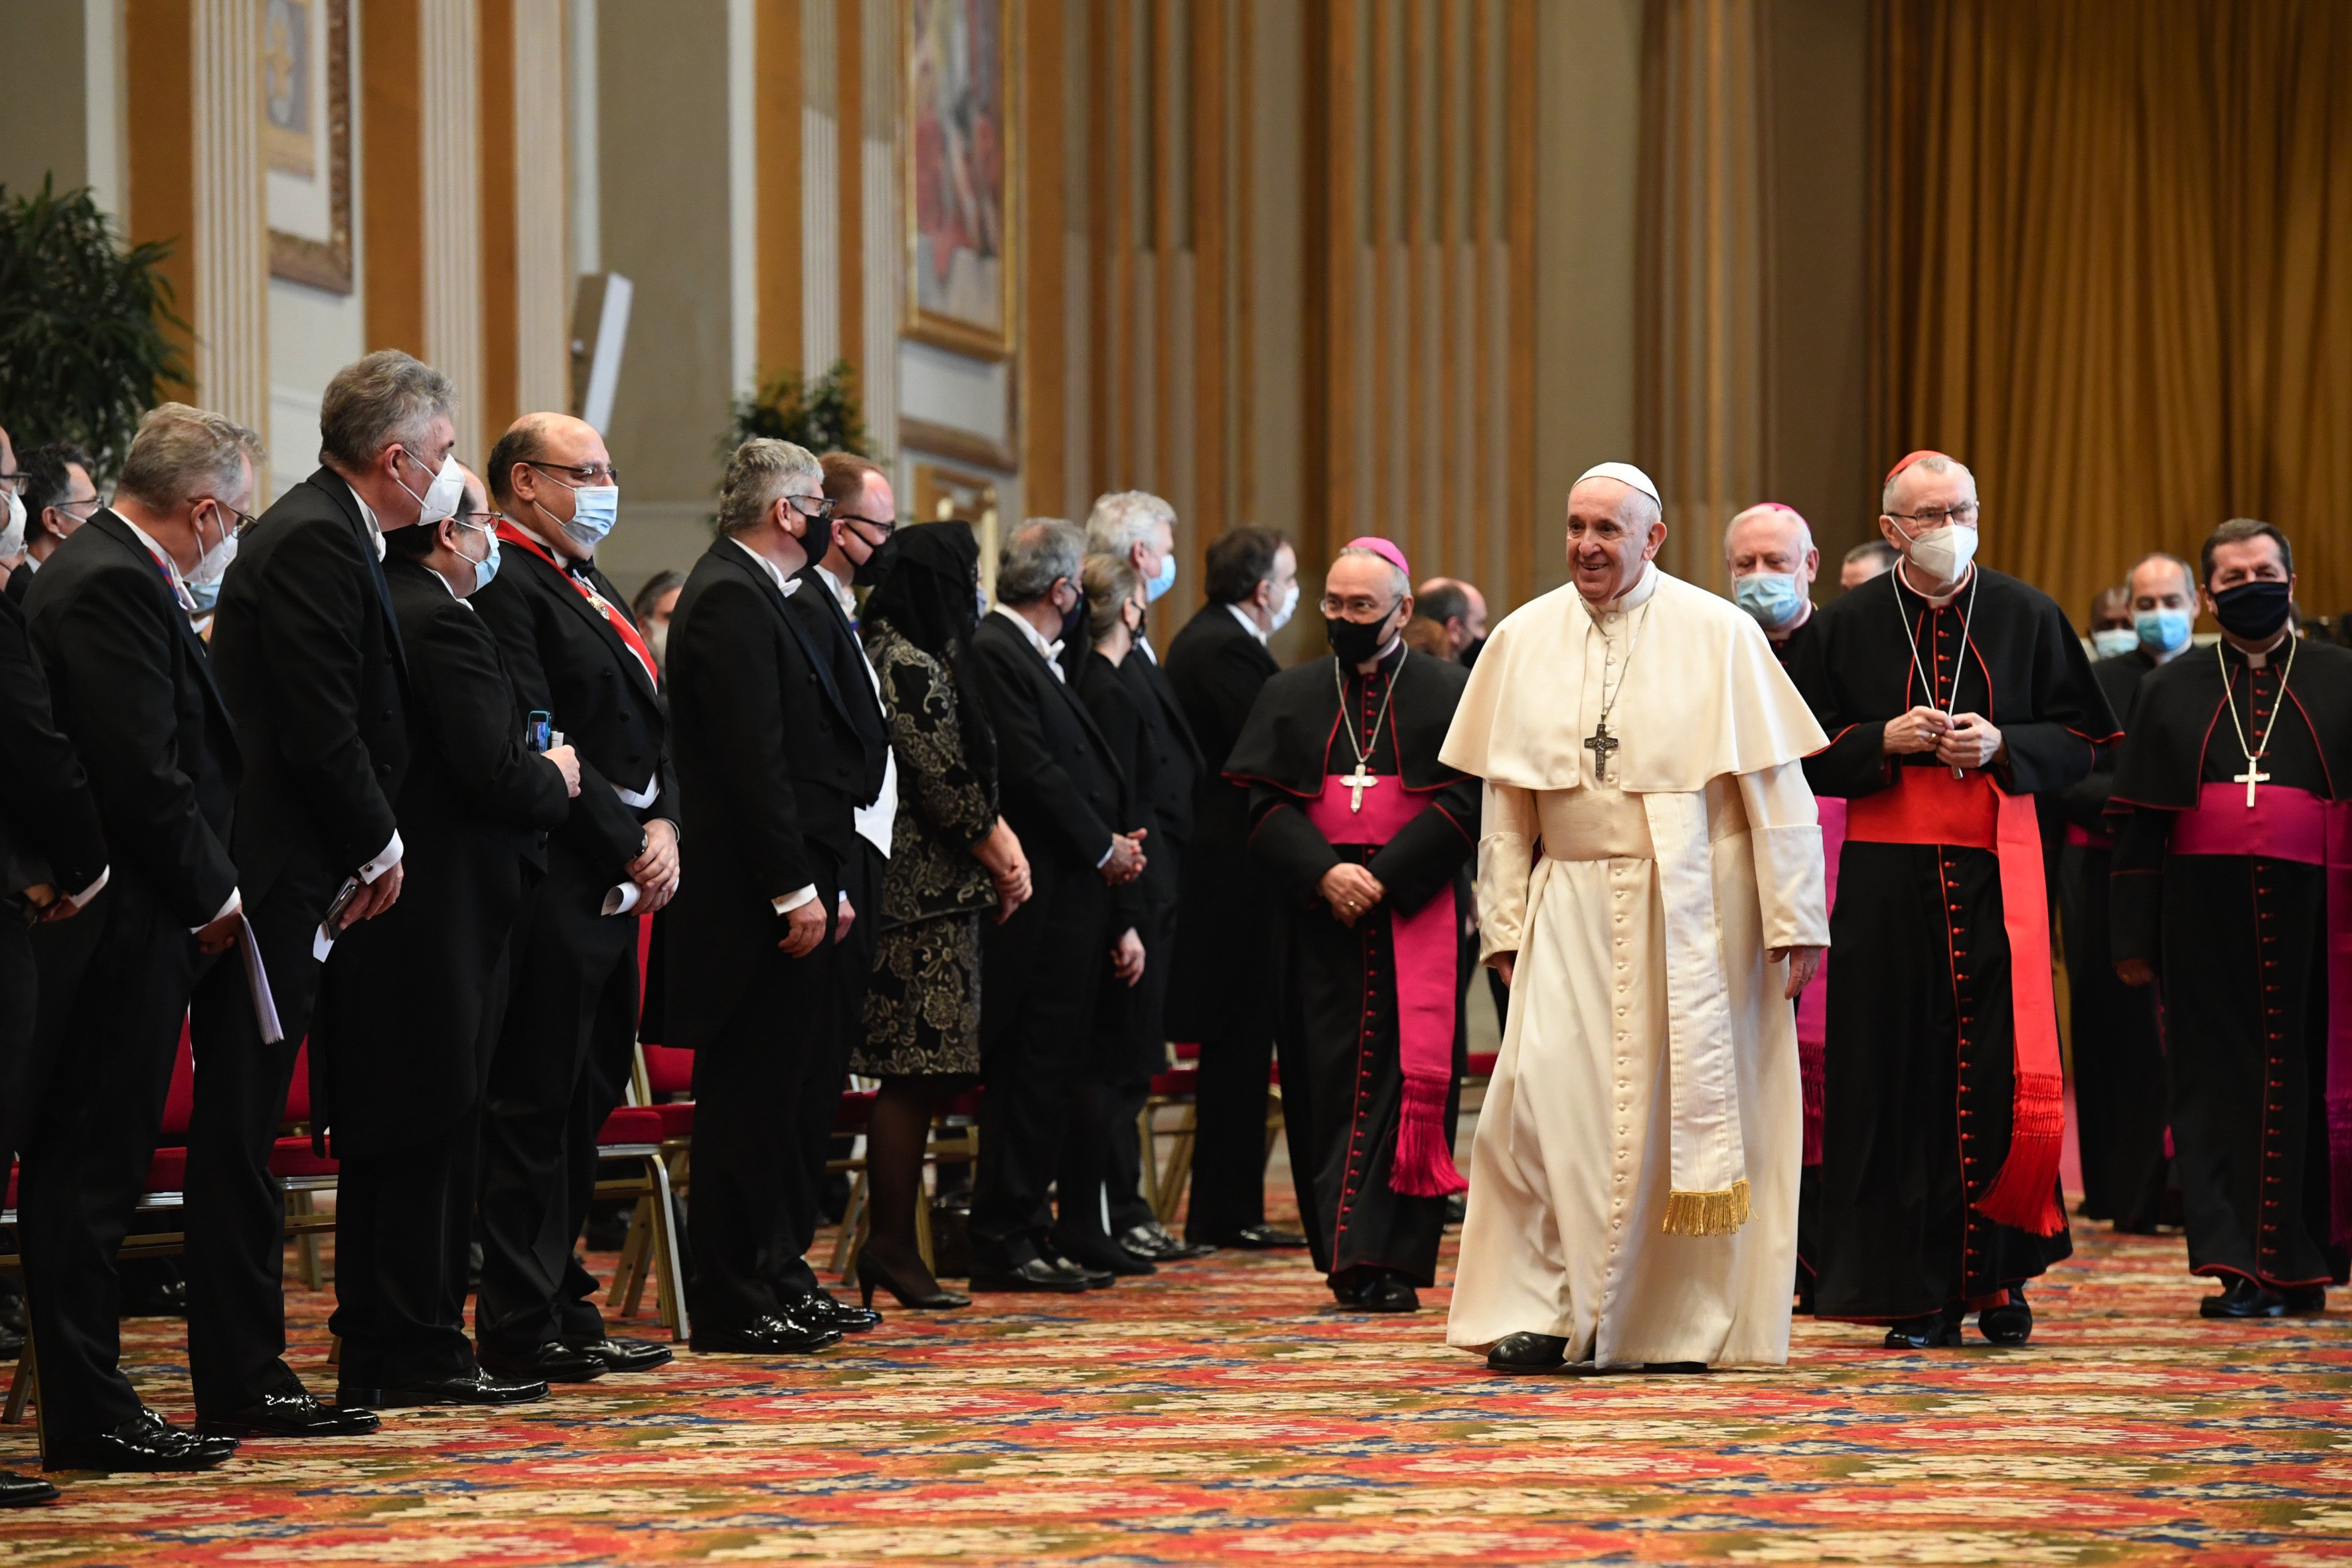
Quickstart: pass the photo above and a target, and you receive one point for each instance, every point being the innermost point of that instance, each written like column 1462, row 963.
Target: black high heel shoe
column 871, row 1274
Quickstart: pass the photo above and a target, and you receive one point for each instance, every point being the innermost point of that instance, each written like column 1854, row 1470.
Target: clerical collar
column 1633, row 598
column 1387, row 666
column 1936, row 601
column 2258, row 660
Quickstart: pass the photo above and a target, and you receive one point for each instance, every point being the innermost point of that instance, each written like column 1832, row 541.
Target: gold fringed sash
column 1706, row 1214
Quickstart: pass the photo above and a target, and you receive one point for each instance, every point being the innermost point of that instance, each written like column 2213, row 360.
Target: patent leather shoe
column 552, row 1361
column 1263, row 1238
column 1090, row 1278
column 1384, row 1290
column 290, row 1416
column 2305, row 1301
column 23, row 1491
column 1156, row 1242
column 820, row 1309
column 1098, row 1252
column 1035, row 1274
column 765, row 1336
column 145, row 1442
column 468, row 1388
column 2011, row 1323
column 2243, row 1298
column 1528, row 1353
column 914, row 1294
column 1928, row 1332
column 624, row 1356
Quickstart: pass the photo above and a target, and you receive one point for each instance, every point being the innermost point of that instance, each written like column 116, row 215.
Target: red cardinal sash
column 1427, row 943
column 1928, row 806
column 510, row 534
column 2295, row 824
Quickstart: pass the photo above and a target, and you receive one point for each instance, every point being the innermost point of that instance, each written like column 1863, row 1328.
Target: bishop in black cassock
column 1342, row 770
column 1944, row 1108
column 2232, row 885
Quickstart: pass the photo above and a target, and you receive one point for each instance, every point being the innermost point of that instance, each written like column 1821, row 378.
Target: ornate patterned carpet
column 1220, row 1413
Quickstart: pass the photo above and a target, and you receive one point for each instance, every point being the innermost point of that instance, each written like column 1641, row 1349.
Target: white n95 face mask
column 1289, row 607
column 12, row 537
column 443, row 495
column 1944, row 553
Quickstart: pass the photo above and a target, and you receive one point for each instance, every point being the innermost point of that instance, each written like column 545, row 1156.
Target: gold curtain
column 2113, row 273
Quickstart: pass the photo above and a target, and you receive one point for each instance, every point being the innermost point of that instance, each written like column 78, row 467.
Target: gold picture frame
column 959, row 173
column 306, row 134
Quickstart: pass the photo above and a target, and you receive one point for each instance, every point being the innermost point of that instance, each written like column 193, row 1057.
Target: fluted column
column 448, row 45
column 230, row 235
column 542, row 245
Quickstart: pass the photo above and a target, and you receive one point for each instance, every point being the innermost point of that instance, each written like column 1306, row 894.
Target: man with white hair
column 1952, row 697
column 1650, row 882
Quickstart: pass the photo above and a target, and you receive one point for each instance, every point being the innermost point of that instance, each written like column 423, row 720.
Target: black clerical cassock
column 1944, row 1109
column 2239, row 890
column 1369, row 1027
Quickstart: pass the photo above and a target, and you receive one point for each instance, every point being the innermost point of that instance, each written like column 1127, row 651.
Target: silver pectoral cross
column 1601, row 743
column 2250, row 778
column 1358, row 783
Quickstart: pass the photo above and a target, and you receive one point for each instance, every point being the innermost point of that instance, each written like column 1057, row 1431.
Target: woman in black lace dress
column 953, row 860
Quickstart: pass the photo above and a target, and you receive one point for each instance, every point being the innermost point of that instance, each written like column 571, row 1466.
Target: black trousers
column 237, row 1209
column 403, row 1223
column 560, row 1066
column 19, row 995
column 115, row 981
column 828, row 1063
column 1132, row 1048
column 754, row 1087
column 1039, row 978
column 1229, row 1146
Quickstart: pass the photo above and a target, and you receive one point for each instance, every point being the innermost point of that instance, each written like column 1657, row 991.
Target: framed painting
column 961, row 191
column 306, row 139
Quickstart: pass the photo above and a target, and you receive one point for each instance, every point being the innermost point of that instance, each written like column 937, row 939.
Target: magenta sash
column 2295, row 824
column 1427, row 945
column 1813, row 1001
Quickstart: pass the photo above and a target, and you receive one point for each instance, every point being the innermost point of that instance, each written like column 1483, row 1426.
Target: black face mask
column 1074, row 621
column 867, row 572
column 1355, row 642
column 2251, row 610
column 1469, row 655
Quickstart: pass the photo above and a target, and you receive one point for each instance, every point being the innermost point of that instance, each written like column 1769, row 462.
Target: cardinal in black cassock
column 2232, row 884
column 1944, row 1106
column 1343, row 769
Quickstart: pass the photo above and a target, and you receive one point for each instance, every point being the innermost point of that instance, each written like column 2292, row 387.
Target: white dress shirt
column 1248, row 625
column 873, row 819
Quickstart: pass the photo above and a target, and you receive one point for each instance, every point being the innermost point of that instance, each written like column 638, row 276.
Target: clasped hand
column 1350, row 890
column 1126, row 861
column 1958, row 739
column 654, row 871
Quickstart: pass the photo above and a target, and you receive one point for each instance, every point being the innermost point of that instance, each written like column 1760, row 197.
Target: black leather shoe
column 2011, row 1323
column 1155, row 1242
column 551, row 1361
column 1263, row 1238
column 765, row 1336
column 1383, row 1291
column 290, row 1416
column 2243, row 1298
column 146, row 1442
column 2305, row 1301
column 624, row 1356
column 1035, row 1275
column 23, row 1491
column 1928, row 1332
column 1100, row 1252
column 1349, row 1288
column 820, row 1309
column 1091, row 1278
column 1528, row 1353
column 477, row 1388
column 1674, row 1368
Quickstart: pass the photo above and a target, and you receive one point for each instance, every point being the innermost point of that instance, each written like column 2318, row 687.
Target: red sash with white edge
column 1427, row 944
column 509, row 533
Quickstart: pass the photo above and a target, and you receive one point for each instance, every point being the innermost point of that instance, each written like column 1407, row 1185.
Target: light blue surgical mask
column 1161, row 580
column 487, row 566
column 594, row 509
column 205, row 595
column 2161, row 631
column 1772, row 597
column 2111, row 642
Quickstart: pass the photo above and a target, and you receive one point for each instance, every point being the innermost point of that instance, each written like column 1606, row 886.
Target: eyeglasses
column 1358, row 607
column 884, row 526
column 816, row 508
column 14, row 481
column 1964, row 514
column 587, row 473
column 244, row 520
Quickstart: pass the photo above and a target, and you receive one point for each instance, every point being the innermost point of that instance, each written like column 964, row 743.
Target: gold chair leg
column 853, row 1227
column 21, row 1387
column 1178, row 1172
column 1148, row 1141
column 631, row 1281
column 923, row 1224
column 671, row 1285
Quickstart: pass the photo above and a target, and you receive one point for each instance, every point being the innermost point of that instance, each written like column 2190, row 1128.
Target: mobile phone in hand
column 333, row 920
column 538, row 730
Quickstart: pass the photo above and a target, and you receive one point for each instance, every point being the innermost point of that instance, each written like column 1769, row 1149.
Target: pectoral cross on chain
column 1362, row 779
column 1602, row 744
column 2250, row 778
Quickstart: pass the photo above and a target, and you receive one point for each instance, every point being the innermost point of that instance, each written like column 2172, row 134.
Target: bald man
column 563, row 1054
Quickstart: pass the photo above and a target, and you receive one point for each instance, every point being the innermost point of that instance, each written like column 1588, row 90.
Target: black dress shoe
column 1154, row 1241
column 1035, row 1275
column 475, row 1388
column 1528, row 1353
column 1928, row 1332
column 919, row 1291
column 23, row 1491
column 1098, row 1252
column 1674, row 1368
column 146, row 1442
column 624, row 1356
column 820, row 1309
column 765, row 1336
column 1384, row 1290
column 2011, row 1323
column 2243, row 1298
column 552, row 1361
column 2305, row 1301
column 1349, row 1288
column 1263, row 1238
column 290, row 1416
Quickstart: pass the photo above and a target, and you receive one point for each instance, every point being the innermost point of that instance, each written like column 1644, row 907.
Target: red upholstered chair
column 954, row 1140
column 654, row 1139
column 1177, row 1091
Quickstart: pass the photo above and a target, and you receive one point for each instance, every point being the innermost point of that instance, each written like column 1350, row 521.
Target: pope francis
column 1650, row 886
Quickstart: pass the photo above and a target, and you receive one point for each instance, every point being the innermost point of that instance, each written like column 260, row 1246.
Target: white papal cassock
column 1634, row 1185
